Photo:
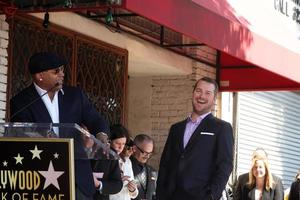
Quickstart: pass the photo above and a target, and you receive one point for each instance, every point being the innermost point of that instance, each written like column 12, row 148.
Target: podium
column 37, row 160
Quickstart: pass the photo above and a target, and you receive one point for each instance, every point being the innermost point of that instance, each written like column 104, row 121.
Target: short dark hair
column 118, row 131
column 140, row 138
column 129, row 143
column 208, row 80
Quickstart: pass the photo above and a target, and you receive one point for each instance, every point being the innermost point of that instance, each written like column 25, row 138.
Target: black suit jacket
column 111, row 180
column 149, row 191
column 243, row 192
column 201, row 170
column 74, row 107
column 295, row 190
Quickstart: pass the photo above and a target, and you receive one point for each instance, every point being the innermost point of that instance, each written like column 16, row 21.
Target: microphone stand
column 32, row 102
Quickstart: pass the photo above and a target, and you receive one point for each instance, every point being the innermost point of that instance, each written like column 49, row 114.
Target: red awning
column 249, row 61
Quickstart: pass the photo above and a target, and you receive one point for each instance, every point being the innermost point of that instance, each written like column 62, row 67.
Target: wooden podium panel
column 37, row 169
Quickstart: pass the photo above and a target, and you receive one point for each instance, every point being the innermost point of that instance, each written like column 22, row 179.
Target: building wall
column 3, row 65
column 139, row 105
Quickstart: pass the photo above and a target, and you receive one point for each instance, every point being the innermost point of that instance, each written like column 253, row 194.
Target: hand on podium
column 103, row 137
column 97, row 147
column 51, row 134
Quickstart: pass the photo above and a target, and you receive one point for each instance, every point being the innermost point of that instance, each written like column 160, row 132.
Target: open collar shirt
column 191, row 127
column 52, row 106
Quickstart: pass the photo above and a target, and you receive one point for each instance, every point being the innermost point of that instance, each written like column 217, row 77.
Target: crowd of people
column 196, row 162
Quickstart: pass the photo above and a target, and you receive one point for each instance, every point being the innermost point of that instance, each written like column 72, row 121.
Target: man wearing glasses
column 144, row 175
column 47, row 100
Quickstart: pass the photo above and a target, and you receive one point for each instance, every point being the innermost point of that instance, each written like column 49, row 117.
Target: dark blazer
column 201, row 170
column 243, row 192
column 74, row 107
column 148, row 192
column 295, row 190
column 111, row 180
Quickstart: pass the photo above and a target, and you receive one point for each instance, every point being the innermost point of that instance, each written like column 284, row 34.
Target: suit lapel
column 202, row 126
column 266, row 195
column 181, row 135
column 61, row 107
column 150, row 183
column 251, row 194
column 40, row 107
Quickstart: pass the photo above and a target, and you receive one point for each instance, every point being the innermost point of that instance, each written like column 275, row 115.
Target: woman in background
column 119, row 138
column 261, row 185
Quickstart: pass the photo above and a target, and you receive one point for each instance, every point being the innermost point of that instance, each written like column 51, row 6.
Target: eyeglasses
column 144, row 152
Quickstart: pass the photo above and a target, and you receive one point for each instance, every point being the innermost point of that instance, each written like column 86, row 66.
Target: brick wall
column 3, row 65
column 170, row 103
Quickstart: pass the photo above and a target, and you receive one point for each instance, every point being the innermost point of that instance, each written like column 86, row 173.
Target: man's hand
column 103, row 137
column 97, row 182
column 131, row 186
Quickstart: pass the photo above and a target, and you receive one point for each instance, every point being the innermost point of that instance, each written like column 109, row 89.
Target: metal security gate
column 270, row 120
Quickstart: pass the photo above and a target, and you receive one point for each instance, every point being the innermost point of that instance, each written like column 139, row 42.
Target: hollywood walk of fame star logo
column 4, row 163
column 51, row 176
column 36, row 153
column 19, row 159
column 56, row 155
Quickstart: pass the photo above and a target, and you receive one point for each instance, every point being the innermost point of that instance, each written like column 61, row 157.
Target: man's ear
column 38, row 77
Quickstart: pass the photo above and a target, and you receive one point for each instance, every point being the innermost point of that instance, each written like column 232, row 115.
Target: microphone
column 33, row 101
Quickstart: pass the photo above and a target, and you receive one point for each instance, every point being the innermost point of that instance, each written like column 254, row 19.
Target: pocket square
column 207, row 133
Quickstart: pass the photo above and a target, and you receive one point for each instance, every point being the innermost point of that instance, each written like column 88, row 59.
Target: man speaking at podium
column 47, row 100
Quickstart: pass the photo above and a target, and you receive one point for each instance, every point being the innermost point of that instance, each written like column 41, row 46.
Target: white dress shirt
column 52, row 106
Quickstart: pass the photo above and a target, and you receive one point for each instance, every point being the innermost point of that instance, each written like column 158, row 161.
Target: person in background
column 197, row 158
column 47, row 100
column 259, row 183
column 295, row 188
column 144, row 175
column 107, row 178
column 122, row 144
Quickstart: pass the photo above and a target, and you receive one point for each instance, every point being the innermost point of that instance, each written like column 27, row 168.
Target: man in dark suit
column 61, row 104
column 144, row 175
column 197, row 158
column 295, row 189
